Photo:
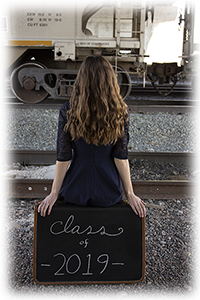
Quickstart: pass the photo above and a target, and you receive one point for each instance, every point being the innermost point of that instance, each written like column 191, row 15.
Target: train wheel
column 124, row 81
column 196, row 85
column 27, row 93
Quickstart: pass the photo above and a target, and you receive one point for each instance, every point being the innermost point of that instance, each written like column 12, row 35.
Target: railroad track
column 162, row 189
column 38, row 157
column 135, row 105
column 148, row 189
column 140, row 100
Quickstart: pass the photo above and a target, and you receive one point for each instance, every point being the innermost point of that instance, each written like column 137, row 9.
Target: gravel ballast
column 170, row 253
column 36, row 129
column 170, row 227
column 141, row 169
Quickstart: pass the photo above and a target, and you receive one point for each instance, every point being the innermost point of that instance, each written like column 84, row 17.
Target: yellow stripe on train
column 29, row 43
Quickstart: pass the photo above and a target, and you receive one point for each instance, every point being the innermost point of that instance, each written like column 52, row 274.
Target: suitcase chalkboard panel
column 76, row 244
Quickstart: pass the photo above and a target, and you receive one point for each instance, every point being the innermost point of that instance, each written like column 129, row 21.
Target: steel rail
column 38, row 157
column 132, row 108
column 161, row 108
column 160, row 101
column 149, row 189
column 141, row 99
column 31, row 157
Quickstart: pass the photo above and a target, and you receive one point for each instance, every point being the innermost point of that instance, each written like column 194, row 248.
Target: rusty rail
column 39, row 157
column 149, row 189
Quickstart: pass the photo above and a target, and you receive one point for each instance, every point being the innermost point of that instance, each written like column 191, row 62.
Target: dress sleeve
column 64, row 140
column 120, row 149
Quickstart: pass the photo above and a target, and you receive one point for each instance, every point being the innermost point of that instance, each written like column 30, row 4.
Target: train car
column 47, row 44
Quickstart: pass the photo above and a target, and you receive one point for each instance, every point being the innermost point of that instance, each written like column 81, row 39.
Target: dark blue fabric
column 92, row 178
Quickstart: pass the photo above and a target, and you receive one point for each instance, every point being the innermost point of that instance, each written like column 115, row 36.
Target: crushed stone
column 170, row 253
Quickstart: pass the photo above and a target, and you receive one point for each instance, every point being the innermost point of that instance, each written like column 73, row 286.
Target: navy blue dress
column 92, row 177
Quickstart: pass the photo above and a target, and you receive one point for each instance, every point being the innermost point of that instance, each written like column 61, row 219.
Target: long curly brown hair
column 97, row 112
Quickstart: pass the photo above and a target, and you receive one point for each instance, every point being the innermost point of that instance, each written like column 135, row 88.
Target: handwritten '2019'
column 101, row 259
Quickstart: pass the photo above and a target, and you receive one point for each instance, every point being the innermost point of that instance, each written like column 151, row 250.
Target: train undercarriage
column 41, row 70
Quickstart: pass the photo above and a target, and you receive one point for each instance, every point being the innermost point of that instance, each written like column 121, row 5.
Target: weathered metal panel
column 42, row 22
column 43, row 26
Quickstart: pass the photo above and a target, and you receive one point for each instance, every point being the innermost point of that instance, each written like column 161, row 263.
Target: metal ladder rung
column 125, row 18
column 118, row 17
column 130, row 31
column 132, row 7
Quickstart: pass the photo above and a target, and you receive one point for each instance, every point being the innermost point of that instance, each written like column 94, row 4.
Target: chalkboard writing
column 76, row 244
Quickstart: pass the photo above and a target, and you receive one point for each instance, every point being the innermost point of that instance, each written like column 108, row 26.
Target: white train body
column 63, row 28
column 59, row 37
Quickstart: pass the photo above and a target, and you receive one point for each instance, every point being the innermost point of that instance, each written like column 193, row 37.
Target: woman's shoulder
column 64, row 108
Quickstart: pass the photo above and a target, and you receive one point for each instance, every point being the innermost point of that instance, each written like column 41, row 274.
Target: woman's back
column 92, row 178
column 92, row 155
